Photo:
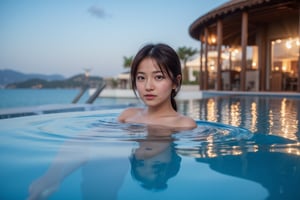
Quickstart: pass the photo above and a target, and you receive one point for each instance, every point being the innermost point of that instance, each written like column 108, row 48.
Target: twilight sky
column 66, row 36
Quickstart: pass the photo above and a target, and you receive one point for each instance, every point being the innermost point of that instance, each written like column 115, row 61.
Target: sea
column 19, row 98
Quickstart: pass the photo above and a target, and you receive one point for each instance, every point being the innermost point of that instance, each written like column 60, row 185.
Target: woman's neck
column 156, row 111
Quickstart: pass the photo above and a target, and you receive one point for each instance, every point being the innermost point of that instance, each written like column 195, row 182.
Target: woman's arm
column 71, row 156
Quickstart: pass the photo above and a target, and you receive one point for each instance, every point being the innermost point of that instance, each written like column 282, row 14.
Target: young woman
column 156, row 76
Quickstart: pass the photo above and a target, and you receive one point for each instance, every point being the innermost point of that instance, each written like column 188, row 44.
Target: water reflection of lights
column 293, row 149
column 271, row 120
column 264, row 115
column 283, row 117
column 288, row 120
column 236, row 150
column 253, row 126
column 225, row 109
column 235, row 114
column 211, row 152
column 216, row 150
column 211, row 110
column 230, row 114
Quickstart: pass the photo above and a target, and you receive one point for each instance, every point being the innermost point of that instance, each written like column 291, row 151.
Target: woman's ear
column 178, row 81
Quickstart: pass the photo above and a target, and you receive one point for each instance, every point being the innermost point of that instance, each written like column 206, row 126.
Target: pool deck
column 52, row 108
column 186, row 92
column 192, row 92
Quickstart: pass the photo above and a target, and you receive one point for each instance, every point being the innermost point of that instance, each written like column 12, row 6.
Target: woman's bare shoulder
column 186, row 122
column 127, row 113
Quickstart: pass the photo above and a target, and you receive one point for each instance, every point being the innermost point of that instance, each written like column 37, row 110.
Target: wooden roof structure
column 260, row 12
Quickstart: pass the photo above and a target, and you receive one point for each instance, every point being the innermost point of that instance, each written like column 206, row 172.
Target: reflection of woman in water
column 155, row 161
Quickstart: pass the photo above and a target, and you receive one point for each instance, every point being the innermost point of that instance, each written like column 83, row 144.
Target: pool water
column 243, row 148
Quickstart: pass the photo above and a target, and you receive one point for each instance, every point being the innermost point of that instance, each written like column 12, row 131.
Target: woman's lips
column 149, row 96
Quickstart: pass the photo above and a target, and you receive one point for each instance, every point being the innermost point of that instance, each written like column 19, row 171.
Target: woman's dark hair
column 162, row 171
column 167, row 60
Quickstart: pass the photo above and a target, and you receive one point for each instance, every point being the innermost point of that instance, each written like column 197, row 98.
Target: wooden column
column 230, row 59
column 298, row 82
column 232, row 79
column 244, row 50
column 219, row 53
column 262, row 55
column 205, row 85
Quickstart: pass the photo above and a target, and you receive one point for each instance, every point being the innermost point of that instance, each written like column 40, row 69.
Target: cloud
column 98, row 12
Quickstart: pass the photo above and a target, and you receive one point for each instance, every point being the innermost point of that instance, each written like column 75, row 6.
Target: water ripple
column 52, row 132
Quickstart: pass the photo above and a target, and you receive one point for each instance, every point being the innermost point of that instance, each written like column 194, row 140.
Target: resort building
column 249, row 45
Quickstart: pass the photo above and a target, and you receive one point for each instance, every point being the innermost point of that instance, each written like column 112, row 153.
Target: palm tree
column 185, row 53
column 127, row 61
column 126, row 64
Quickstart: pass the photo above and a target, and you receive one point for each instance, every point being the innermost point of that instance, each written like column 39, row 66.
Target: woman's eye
column 159, row 77
column 140, row 78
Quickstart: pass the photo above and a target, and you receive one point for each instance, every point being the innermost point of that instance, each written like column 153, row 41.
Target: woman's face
column 152, row 157
column 154, row 86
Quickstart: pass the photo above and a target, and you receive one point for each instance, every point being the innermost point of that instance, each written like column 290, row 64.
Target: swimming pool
column 243, row 148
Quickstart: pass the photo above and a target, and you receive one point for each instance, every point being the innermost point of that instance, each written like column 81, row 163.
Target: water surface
column 243, row 148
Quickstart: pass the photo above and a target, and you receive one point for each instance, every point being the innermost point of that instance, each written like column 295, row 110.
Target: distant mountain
column 8, row 76
column 73, row 82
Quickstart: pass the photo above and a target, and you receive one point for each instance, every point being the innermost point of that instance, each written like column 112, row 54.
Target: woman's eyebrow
column 141, row 73
column 157, row 72
column 154, row 72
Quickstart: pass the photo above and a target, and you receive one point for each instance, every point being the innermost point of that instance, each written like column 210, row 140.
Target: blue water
column 243, row 148
column 16, row 98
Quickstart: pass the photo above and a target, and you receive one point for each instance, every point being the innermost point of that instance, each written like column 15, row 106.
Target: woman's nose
column 149, row 84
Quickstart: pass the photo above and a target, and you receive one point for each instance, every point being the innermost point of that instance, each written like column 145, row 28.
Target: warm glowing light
column 236, row 150
column 213, row 39
column 210, row 150
column 254, row 117
column 288, row 121
column 235, row 114
column 288, row 44
column 284, row 68
column 271, row 120
column 211, row 110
